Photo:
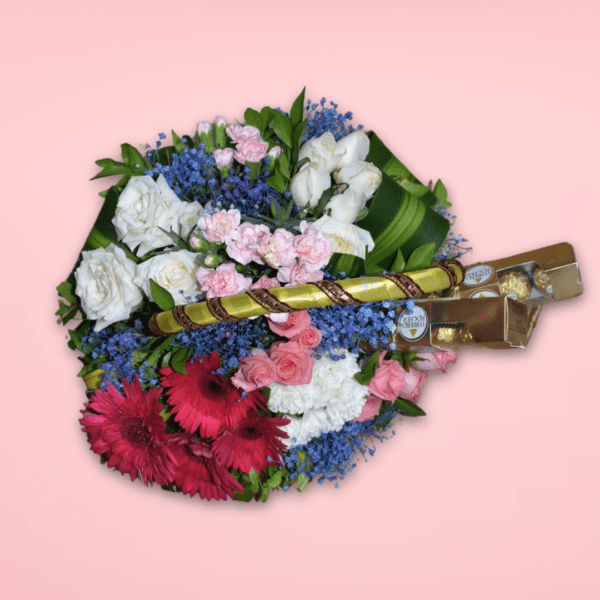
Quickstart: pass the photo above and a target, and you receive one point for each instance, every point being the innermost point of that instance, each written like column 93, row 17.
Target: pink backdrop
column 494, row 494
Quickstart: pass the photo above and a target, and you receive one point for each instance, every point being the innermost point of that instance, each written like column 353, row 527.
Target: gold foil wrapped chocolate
column 515, row 284
column 541, row 280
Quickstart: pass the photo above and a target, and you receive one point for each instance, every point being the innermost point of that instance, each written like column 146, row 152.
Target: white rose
column 353, row 147
column 309, row 184
column 362, row 177
column 174, row 271
column 105, row 284
column 346, row 238
column 187, row 217
column 346, row 206
column 144, row 207
column 322, row 150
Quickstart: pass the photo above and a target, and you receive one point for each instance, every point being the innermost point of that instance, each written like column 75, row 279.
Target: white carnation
column 105, row 284
column 174, row 271
column 332, row 398
column 144, row 208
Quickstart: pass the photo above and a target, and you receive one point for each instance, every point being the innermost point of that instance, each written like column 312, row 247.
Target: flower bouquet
column 241, row 293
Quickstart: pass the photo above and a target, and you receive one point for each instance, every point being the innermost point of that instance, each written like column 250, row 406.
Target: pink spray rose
column 255, row 372
column 309, row 337
column 292, row 362
column 222, row 281
column 242, row 133
column 252, row 151
column 414, row 381
column 223, row 157
column 277, row 250
column 220, row 226
column 314, row 249
column 370, row 409
column 296, row 322
column 244, row 248
column 298, row 275
column 388, row 380
column 435, row 362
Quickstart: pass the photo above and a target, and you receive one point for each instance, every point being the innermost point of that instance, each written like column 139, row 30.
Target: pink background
column 494, row 494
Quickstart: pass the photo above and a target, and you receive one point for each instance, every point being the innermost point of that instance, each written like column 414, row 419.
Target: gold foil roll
column 541, row 280
column 393, row 286
column 515, row 282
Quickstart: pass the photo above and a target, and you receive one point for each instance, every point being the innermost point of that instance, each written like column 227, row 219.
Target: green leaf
column 179, row 241
column 284, row 165
column 153, row 358
column 254, row 479
column 299, row 132
column 408, row 408
column 178, row 358
column 283, row 128
column 399, row 263
column 265, row 494
column 132, row 157
column 161, row 296
column 75, row 339
column 244, row 496
column 65, row 290
column 416, row 189
column 349, row 264
column 441, row 193
column 373, row 270
column 420, row 258
column 254, row 118
column 297, row 111
column 302, row 481
column 70, row 315
column 266, row 392
column 275, row 480
column 368, row 371
column 323, row 200
column 277, row 182
column 266, row 114
column 179, row 147
column 112, row 167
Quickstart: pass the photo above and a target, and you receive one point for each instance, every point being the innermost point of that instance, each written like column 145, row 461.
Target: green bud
column 211, row 260
column 198, row 244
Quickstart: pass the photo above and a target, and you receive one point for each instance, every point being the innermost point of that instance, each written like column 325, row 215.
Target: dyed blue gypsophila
column 193, row 176
column 230, row 340
column 322, row 120
column 122, row 351
column 451, row 248
column 330, row 456
column 346, row 326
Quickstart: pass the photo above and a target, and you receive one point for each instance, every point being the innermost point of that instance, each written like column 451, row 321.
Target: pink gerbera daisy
column 198, row 469
column 203, row 399
column 129, row 429
column 255, row 442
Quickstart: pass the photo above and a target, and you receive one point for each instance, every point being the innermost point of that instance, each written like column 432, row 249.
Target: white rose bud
column 174, row 271
column 187, row 218
column 309, row 184
column 352, row 147
column 346, row 238
column 105, row 284
column 321, row 150
column 363, row 177
column 346, row 206
column 143, row 208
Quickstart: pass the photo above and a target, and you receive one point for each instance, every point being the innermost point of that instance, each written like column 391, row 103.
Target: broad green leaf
column 299, row 132
column 277, row 182
column 275, row 480
column 283, row 128
column 161, row 296
column 302, row 481
column 284, row 165
column 265, row 494
column 441, row 193
column 65, row 290
column 368, row 371
column 132, row 157
column 266, row 114
column 179, row 147
column 399, row 263
column 420, row 258
column 244, row 496
column 178, row 358
column 112, row 168
column 416, row 189
column 254, row 478
column 297, row 111
column 253, row 118
column 408, row 408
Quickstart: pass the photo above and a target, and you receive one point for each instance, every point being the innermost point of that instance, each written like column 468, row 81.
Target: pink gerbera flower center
column 135, row 432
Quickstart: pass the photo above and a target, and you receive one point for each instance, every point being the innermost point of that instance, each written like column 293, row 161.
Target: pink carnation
column 222, row 281
column 292, row 362
column 296, row 322
column 252, row 151
column 309, row 337
column 277, row 250
column 298, row 275
column 244, row 248
column 370, row 409
column 221, row 226
column 314, row 249
column 223, row 157
column 435, row 362
column 242, row 133
column 255, row 372
column 265, row 283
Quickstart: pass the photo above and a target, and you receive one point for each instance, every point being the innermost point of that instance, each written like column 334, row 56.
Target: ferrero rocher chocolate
column 465, row 335
column 541, row 280
column 444, row 336
column 516, row 283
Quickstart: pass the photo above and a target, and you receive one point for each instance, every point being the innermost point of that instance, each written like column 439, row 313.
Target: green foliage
column 420, row 258
column 408, row 408
column 368, row 371
column 161, row 296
